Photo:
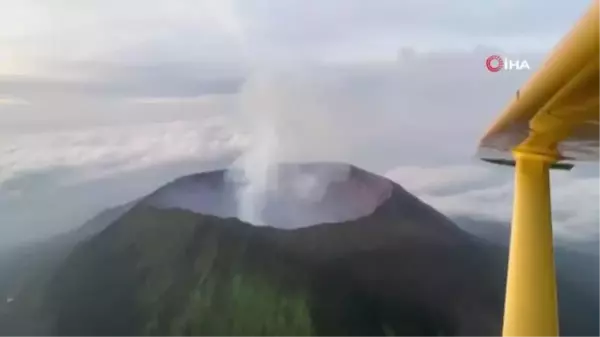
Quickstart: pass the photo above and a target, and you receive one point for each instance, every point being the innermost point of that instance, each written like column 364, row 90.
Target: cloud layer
column 486, row 192
column 410, row 122
column 54, row 181
column 103, row 101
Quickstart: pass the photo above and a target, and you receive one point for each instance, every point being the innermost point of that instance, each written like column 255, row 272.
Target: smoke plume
column 287, row 116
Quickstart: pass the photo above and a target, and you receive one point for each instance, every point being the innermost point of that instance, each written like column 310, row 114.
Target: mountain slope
column 26, row 271
column 171, row 280
column 578, row 269
column 404, row 269
column 165, row 268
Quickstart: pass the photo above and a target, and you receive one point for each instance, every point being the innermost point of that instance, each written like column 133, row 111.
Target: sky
column 102, row 102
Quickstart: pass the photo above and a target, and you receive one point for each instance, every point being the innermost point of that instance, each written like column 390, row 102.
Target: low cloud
column 81, row 148
column 486, row 192
column 440, row 180
column 12, row 101
column 53, row 181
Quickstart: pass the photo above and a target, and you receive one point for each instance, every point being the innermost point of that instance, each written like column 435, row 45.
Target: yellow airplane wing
column 552, row 119
column 556, row 112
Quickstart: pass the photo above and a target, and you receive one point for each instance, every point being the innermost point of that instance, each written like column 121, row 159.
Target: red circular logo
column 494, row 63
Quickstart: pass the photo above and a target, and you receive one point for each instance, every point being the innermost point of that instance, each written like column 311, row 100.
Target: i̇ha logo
column 495, row 63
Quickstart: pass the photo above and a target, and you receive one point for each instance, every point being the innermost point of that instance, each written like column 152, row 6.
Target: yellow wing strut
column 530, row 308
column 553, row 118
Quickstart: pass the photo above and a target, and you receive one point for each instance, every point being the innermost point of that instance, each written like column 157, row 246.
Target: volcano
column 339, row 251
column 292, row 196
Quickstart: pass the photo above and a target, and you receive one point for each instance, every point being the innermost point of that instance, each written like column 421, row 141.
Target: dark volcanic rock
column 293, row 196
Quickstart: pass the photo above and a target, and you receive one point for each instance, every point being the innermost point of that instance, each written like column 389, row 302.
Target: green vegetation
column 387, row 330
column 194, row 275
column 173, row 272
column 176, row 274
column 245, row 306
